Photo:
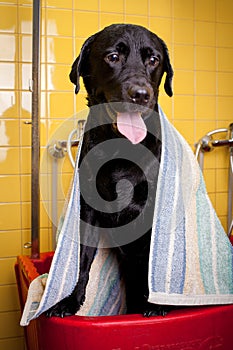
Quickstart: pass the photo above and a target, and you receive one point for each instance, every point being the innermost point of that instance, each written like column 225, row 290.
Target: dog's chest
column 123, row 175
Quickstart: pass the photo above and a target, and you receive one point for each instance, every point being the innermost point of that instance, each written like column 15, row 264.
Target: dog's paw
column 66, row 307
column 156, row 310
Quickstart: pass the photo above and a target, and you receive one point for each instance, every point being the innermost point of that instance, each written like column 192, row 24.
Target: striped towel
column 105, row 294
column 191, row 258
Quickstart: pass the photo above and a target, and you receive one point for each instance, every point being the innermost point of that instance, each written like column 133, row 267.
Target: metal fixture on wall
column 230, row 183
column 208, row 144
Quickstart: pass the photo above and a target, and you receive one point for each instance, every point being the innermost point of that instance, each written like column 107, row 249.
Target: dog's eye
column 112, row 57
column 153, row 61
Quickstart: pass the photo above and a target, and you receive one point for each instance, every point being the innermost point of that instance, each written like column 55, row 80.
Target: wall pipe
column 35, row 138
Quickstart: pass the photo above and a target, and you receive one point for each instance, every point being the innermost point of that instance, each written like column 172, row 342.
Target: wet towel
column 191, row 258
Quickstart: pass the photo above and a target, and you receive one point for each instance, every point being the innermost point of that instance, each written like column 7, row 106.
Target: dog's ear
column 79, row 65
column 168, row 69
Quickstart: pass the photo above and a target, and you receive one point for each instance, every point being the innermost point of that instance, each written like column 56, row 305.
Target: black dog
column 122, row 67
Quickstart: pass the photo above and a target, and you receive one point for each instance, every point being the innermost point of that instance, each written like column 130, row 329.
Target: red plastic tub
column 186, row 329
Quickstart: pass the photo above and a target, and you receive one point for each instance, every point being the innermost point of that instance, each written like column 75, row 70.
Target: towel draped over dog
column 191, row 257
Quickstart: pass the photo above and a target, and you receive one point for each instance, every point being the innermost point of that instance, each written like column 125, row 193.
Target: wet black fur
column 106, row 81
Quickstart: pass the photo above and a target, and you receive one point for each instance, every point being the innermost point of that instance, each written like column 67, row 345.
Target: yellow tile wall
column 199, row 37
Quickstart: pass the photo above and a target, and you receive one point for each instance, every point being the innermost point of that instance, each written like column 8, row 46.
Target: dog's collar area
column 115, row 129
column 112, row 114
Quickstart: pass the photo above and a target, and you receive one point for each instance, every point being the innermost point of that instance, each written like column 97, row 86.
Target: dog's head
column 123, row 63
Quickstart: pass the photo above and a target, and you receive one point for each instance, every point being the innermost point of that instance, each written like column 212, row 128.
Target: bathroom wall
column 199, row 37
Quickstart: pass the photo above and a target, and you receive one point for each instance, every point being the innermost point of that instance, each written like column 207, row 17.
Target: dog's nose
column 140, row 95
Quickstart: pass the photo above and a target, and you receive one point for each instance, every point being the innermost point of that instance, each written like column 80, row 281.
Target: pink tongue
column 132, row 126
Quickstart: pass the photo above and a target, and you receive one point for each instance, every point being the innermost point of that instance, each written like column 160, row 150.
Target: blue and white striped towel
column 191, row 258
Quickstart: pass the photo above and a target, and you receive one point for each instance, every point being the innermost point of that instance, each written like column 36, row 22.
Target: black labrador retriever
column 122, row 67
